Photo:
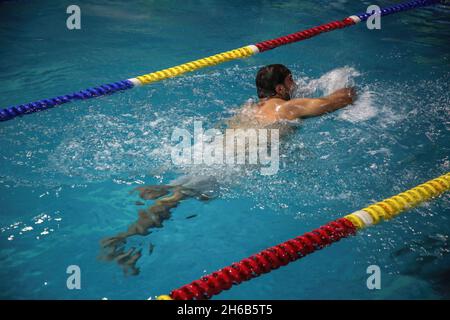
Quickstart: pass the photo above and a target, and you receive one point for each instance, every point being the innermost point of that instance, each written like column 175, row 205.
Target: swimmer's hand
column 349, row 93
column 312, row 107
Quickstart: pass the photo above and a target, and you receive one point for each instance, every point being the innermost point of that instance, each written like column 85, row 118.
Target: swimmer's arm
column 312, row 107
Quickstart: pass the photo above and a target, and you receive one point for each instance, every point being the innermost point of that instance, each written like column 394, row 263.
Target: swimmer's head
column 274, row 80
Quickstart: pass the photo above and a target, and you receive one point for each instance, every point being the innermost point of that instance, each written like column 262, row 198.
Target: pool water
column 66, row 173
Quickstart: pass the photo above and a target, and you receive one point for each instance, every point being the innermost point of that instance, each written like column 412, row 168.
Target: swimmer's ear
column 279, row 89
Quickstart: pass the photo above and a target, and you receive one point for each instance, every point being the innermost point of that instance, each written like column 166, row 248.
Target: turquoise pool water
column 66, row 173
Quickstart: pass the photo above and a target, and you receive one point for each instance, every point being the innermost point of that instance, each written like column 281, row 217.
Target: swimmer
column 275, row 87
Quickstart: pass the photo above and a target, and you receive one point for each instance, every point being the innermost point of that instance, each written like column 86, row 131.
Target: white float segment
column 364, row 216
column 355, row 19
column 135, row 82
column 253, row 48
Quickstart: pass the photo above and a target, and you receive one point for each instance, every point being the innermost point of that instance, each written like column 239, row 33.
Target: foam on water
column 328, row 83
column 363, row 109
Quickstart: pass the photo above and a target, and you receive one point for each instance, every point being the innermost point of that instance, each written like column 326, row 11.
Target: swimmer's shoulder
column 270, row 105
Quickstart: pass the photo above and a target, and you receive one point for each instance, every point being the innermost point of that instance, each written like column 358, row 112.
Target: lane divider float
column 243, row 52
column 299, row 247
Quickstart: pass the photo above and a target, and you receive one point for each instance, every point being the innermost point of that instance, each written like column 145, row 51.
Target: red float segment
column 265, row 261
column 302, row 35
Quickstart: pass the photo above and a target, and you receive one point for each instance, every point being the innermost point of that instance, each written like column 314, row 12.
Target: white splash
column 363, row 108
column 327, row 83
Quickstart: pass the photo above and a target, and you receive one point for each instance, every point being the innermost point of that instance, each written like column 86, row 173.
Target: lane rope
column 243, row 52
column 299, row 247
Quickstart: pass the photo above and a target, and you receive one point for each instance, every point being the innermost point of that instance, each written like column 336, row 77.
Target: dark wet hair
column 269, row 77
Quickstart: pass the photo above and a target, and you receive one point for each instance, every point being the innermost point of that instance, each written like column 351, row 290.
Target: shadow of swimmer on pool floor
column 275, row 113
column 166, row 198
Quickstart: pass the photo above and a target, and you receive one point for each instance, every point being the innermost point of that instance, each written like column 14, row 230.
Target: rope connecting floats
column 291, row 250
column 243, row 52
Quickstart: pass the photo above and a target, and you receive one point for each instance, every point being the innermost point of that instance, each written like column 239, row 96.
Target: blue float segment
column 399, row 7
column 14, row 111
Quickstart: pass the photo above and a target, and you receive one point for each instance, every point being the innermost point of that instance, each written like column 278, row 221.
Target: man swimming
column 275, row 88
